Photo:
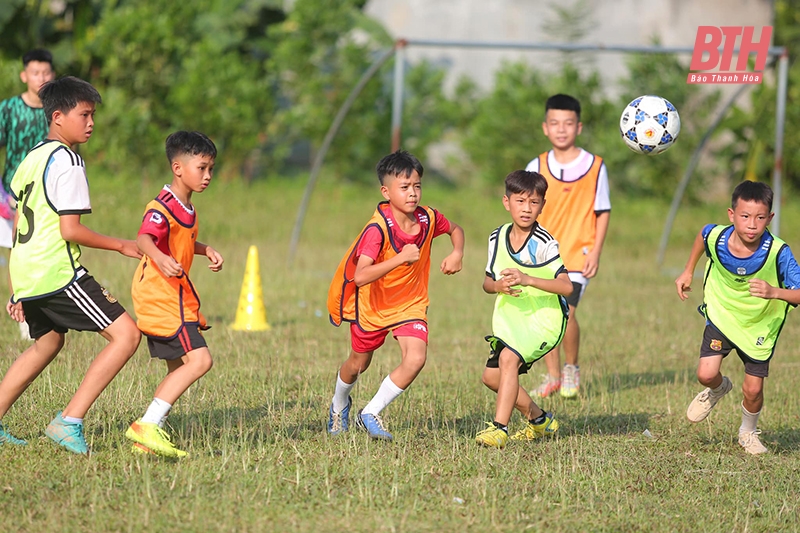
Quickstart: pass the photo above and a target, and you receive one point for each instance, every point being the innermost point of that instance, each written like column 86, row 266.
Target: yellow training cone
column 251, row 315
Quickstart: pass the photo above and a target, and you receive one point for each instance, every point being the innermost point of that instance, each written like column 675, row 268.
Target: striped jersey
column 539, row 248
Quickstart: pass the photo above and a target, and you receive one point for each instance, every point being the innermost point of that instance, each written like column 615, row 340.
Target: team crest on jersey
column 741, row 271
column 760, row 341
column 715, row 345
column 109, row 296
column 156, row 218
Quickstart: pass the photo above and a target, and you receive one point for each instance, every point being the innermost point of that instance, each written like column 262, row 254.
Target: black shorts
column 82, row 306
column 575, row 295
column 188, row 338
column 494, row 361
column 716, row 343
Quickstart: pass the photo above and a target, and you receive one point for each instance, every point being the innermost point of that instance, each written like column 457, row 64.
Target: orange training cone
column 251, row 314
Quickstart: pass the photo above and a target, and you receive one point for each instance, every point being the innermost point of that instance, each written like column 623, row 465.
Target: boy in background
column 751, row 279
column 530, row 311
column 166, row 303
column 577, row 213
column 381, row 286
column 51, row 289
column 23, row 124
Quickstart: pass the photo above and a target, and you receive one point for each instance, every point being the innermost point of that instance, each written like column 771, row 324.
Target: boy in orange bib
column 381, row 286
column 166, row 303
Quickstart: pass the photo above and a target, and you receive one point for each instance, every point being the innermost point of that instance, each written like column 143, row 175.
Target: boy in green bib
column 751, row 278
column 526, row 272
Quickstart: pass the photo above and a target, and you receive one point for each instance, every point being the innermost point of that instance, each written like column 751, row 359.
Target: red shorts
column 369, row 341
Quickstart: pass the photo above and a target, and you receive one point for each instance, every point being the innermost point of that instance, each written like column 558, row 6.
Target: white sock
column 72, row 420
column 386, row 394
column 749, row 421
column 157, row 412
column 341, row 393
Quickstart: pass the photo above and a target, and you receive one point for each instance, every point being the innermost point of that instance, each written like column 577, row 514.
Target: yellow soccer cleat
column 153, row 439
column 535, row 431
column 492, row 436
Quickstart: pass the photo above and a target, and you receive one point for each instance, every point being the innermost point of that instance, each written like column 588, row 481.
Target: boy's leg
column 123, row 338
column 717, row 386
column 27, row 367
column 507, row 387
column 363, row 345
column 753, row 391
column 182, row 373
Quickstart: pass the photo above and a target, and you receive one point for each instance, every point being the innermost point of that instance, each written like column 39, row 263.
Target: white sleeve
column 66, row 186
column 492, row 246
column 533, row 166
column 548, row 251
column 602, row 199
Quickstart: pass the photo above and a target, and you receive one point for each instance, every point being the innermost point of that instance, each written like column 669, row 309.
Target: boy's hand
column 215, row 258
column 590, row 265
column 15, row 311
column 684, row 284
column 451, row 264
column 762, row 289
column 168, row 266
column 130, row 249
column 409, row 254
column 512, row 277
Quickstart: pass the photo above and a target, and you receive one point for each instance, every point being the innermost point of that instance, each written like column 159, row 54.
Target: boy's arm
column 592, row 261
column 684, row 281
column 560, row 285
column 73, row 231
column 214, row 256
column 452, row 263
column 502, row 285
column 789, row 272
column 367, row 270
column 165, row 263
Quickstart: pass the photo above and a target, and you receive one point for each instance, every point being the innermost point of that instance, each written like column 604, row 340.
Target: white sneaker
column 549, row 385
column 570, row 381
column 704, row 402
column 751, row 443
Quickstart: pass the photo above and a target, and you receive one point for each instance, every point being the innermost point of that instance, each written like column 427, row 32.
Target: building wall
column 625, row 22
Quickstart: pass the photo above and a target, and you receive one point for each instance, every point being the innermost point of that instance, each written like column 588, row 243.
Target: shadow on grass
column 619, row 382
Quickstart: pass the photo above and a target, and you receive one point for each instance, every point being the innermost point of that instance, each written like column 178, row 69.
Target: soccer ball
column 649, row 125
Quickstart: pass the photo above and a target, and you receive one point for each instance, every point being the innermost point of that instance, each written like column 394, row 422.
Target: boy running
column 577, row 214
column 751, row 279
column 165, row 301
column 530, row 311
column 51, row 289
column 381, row 286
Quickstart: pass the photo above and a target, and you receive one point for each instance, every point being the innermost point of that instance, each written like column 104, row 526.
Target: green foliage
column 164, row 66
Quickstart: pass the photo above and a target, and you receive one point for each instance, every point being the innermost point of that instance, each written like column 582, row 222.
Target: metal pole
column 397, row 96
column 780, row 119
column 326, row 143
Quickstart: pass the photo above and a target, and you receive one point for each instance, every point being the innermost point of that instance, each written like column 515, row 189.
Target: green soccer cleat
column 535, row 431
column 492, row 436
column 152, row 439
column 68, row 435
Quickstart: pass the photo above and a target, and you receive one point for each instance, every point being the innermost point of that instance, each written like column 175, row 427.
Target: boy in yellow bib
column 166, row 303
column 751, row 279
column 530, row 312
column 381, row 286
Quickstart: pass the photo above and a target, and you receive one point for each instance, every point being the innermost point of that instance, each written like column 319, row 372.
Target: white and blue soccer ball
column 649, row 124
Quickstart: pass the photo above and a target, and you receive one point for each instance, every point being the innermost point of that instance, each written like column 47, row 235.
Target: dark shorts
column 494, row 361
column 82, row 306
column 577, row 293
column 715, row 343
column 188, row 338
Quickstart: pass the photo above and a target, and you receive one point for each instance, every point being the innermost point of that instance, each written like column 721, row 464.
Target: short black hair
column 64, row 94
column 521, row 181
column 37, row 54
column 189, row 143
column 399, row 163
column 752, row 191
column 563, row 102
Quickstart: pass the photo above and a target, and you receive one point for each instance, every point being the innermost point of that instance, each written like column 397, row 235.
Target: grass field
column 255, row 425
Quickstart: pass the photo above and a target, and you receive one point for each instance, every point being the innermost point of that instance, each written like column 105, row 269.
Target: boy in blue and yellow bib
column 165, row 300
column 751, row 282
column 381, row 286
column 530, row 312
column 51, row 289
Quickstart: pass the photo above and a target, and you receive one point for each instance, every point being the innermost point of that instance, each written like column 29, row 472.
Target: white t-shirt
column 574, row 170
column 539, row 248
column 66, row 186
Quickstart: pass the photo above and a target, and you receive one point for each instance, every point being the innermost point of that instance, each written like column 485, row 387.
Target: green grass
column 255, row 425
